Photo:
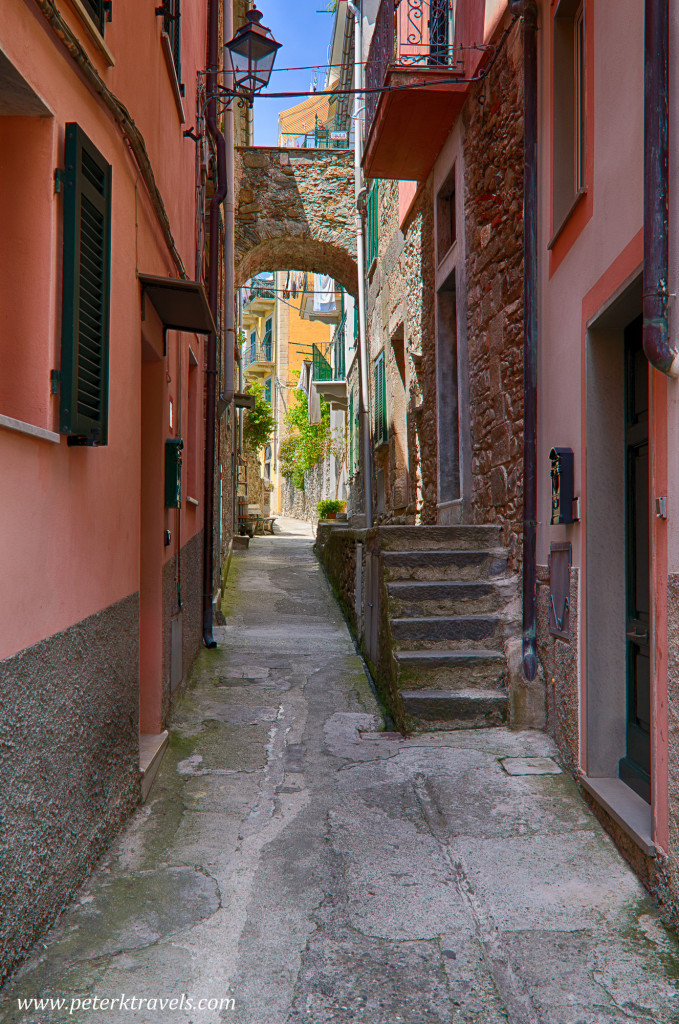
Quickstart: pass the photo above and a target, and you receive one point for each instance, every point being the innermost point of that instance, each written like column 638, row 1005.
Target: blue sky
column 305, row 35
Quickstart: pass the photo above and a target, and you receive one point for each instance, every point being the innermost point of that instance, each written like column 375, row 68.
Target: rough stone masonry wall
column 295, row 208
column 301, row 504
column 69, row 758
column 401, row 297
column 493, row 159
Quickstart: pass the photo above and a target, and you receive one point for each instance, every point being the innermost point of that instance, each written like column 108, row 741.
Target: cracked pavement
column 317, row 871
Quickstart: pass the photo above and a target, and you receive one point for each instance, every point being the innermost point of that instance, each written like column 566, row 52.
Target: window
column 171, row 12
column 268, row 339
column 569, row 152
column 253, row 346
column 99, row 11
column 380, row 402
column 445, row 217
column 373, row 218
column 267, row 390
column 86, row 287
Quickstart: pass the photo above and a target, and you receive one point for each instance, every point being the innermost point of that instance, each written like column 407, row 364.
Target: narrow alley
column 297, row 863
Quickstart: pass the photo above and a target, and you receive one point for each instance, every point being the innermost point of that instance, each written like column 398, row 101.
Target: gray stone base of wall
column 69, row 763
column 190, row 591
column 300, row 504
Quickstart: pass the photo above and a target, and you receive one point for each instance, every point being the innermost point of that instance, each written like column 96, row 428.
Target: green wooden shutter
column 86, row 292
column 373, row 221
column 267, row 390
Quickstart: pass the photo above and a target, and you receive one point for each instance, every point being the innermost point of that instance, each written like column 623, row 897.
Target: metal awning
column 181, row 305
column 334, row 392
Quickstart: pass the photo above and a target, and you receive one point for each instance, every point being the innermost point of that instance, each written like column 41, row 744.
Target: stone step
column 448, row 597
column 431, row 538
column 448, row 669
column 444, row 565
column 454, row 709
column 453, row 632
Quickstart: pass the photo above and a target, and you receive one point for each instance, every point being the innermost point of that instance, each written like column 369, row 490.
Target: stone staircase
column 451, row 609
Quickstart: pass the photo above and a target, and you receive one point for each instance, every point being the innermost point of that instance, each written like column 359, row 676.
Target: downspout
column 230, row 227
column 213, row 293
column 528, row 10
column 364, row 393
column 656, row 338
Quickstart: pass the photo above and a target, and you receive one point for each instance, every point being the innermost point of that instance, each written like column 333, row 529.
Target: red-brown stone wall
column 493, row 159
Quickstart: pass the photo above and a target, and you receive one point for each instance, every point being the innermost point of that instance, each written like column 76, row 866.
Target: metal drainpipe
column 213, row 291
column 656, row 190
column 230, row 227
column 528, row 10
column 364, row 406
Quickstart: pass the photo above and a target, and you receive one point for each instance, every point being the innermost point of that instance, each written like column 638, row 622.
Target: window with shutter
column 373, row 216
column 267, row 390
column 171, row 24
column 86, row 292
column 268, row 340
column 98, row 10
column 380, row 402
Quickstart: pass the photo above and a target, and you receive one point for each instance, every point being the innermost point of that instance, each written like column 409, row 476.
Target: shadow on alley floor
column 295, row 866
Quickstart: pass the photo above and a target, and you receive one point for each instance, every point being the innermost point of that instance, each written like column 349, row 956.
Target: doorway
column 635, row 766
column 617, row 582
column 151, row 554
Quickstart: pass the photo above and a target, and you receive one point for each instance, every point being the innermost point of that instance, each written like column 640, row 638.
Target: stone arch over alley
column 295, row 210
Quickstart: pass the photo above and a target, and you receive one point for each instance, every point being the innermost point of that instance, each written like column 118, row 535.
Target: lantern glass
column 252, row 53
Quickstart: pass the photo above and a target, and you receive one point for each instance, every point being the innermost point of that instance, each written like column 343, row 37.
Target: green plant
column 306, row 444
column 329, row 505
column 259, row 422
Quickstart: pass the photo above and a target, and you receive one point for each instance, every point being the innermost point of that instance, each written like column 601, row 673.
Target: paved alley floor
column 297, row 867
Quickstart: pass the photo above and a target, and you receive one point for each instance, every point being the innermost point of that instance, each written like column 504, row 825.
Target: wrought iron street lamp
column 252, row 53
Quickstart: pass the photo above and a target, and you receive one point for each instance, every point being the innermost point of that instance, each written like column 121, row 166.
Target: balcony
column 258, row 357
column 418, row 51
column 259, row 297
column 330, row 380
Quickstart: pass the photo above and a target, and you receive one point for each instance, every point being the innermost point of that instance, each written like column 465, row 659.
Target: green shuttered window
column 373, row 218
column 380, row 402
column 86, row 292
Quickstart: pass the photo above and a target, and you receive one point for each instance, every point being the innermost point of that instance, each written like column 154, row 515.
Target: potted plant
column 329, row 507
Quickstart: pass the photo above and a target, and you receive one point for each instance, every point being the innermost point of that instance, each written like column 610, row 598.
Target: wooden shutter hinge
column 59, row 179
column 55, row 381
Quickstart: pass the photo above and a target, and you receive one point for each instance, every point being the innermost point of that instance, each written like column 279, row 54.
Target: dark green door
column 635, row 767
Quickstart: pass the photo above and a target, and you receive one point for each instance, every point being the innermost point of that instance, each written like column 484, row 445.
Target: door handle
column 633, row 635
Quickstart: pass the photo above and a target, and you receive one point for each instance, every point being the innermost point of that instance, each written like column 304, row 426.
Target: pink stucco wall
column 70, row 517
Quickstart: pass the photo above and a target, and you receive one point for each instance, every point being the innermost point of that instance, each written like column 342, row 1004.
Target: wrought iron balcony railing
column 409, row 34
column 260, row 352
column 335, row 133
column 259, row 290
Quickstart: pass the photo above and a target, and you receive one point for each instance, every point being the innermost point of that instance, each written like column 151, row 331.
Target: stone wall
column 559, row 659
column 295, row 208
column 493, row 162
column 400, row 306
column 301, row 504
column 69, row 757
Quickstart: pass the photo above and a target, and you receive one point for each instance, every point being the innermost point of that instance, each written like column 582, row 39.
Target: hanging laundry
column 324, row 294
column 305, row 377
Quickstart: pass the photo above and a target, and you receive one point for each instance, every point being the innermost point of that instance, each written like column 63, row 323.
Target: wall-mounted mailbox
column 562, row 485
column 173, row 472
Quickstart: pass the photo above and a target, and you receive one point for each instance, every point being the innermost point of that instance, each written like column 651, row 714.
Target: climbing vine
column 259, row 422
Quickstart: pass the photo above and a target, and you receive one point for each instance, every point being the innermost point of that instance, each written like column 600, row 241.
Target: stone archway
column 295, row 211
